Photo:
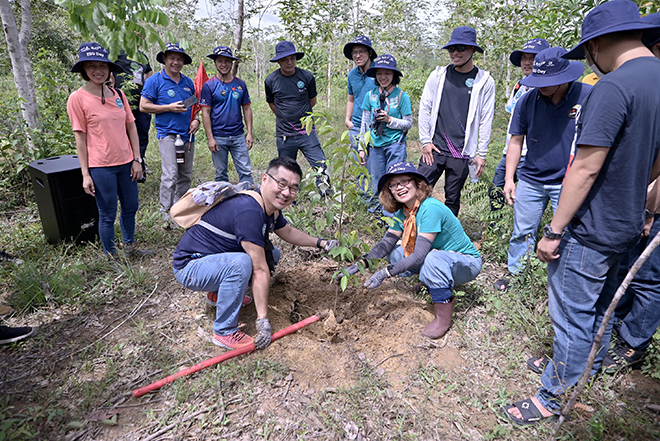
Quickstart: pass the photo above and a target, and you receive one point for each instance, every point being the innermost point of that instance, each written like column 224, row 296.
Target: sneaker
column 212, row 299
column 237, row 340
column 622, row 356
column 133, row 252
column 11, row 335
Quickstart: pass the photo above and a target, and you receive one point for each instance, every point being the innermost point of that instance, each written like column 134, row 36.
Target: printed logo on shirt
column 263, row 230
column 120, row 103
column 235, row 95
column 187, row 89
column 575, row 111
column 469, row 82
column 170, row 93
column 301, row 84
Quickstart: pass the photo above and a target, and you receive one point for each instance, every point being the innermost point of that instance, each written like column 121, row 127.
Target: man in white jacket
column 455, row 117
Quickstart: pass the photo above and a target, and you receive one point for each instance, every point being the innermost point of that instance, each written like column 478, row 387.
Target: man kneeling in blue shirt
column 230, row 246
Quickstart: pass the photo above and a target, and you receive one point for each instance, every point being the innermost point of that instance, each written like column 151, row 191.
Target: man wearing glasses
column 455, row 117
column 230, row 246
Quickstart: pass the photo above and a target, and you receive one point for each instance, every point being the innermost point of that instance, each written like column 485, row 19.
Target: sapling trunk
column 601, row 331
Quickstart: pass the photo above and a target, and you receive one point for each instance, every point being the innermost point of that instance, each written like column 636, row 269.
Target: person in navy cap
column 545, row 117
column 600, row 215
column 387, row 116
column 433, row 243
column 225, row 102
column 524, row 59
column 455, row 117
column 164, row 94
column 359, row 83
column 291, row 95
column 637, row 315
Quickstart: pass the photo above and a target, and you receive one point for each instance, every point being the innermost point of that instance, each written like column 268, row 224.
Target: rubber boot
column 440, row 325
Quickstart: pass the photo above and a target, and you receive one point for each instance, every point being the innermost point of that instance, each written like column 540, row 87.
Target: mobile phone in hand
column 192, row 99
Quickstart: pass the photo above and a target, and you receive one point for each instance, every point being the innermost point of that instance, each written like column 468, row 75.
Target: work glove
column 352, row 270
column 263, row 334
column 330, row 244
column 375, row 280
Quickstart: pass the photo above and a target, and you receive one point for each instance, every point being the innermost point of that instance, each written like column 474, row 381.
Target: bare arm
column 81, row 149
column 208, row 128
column 512, row 160
column 350, row 104
column 260, row 277
column 312, row 101
column 147, row 106
column 247, row 115
column 273, row 108
column 136, row 168
column 297, row 237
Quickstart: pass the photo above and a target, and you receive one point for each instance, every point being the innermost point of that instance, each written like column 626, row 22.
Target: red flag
column 200, row 79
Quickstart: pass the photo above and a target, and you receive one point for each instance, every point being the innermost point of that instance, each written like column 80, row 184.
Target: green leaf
column 343, row 283
column 75, row 425
column 329, row 217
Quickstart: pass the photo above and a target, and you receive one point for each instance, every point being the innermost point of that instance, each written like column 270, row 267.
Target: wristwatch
column 138, row 160
column 648, row 214
column 548, row 233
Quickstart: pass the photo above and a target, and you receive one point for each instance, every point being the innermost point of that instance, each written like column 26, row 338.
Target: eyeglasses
column 401, row 183
column 354, row 53
column 458, row 47
column 283, row 185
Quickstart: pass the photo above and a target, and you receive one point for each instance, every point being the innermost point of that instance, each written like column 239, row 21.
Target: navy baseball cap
column 173, row 47
column 464, row 35
column 533, row 46
column 400, row 168
column 94, row 52
column 285, row 48
column 651, row 36
column 607, row 18
column 385, row 61
column 222, row 51
column 550, row 69
column 362, row 40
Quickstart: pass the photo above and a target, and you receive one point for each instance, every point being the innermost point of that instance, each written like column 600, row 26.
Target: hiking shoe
column 212, row 299
column 11, row 335
column 622, row 356
column 237, row 340
column 133, row 252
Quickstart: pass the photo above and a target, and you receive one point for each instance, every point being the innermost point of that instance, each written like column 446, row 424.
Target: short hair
column 287, row 163
column 634, row 34
column 396, row 79
column 390, row 204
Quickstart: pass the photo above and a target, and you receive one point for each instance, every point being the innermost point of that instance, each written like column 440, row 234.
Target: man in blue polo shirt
column 163, row 94
column 222, row 99
column 291, row 95
column 545, row 117
column 228, row 248
column 600, row 215
column 360, row 51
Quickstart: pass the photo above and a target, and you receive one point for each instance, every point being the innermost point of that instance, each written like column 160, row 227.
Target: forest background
column 61, row 281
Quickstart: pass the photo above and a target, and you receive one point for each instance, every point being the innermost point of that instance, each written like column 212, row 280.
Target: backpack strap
column 257, row 196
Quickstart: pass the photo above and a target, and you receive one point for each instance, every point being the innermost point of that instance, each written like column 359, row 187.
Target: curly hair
column 390, row 204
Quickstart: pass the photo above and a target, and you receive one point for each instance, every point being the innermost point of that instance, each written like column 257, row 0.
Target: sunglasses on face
column 458, row 47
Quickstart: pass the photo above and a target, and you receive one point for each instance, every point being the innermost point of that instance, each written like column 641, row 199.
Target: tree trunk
column 20, row 62
column 238, row 35
column 329, row 72
column 508, row 76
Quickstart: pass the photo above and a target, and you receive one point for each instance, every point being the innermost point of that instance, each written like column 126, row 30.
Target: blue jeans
column 239, row 153
column 499, row 174
column 531, row 201
column 638, row 314
column 310, row 147
column 363, row 184
column 381, row 158
column 581, row 284
column 111, row 183
column 441, row 270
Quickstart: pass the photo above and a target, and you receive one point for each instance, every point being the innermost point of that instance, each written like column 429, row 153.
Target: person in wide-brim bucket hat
column 607, row 18
column 533, row 46
column 402, row 168
column 385, row 61
column 550, row 69
column 651, row 37
column 94, row 52
column 362, row 41
column 222, row 51
column 285, row 48
column 464, row 35
column 173, row 47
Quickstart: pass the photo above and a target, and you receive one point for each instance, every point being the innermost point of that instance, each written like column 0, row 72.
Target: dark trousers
column 142, row 123
column 456, row 172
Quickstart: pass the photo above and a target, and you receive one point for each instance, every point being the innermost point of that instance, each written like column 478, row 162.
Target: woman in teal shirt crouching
column 433, row 243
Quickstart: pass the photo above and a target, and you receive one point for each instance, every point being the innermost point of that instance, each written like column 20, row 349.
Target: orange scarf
column 409, row 230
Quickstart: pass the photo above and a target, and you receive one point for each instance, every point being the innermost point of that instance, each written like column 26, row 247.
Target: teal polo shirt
column 162, row 90
column 359, row 84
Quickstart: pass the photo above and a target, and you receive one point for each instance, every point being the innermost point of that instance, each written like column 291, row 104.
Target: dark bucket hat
column 400, row 168
column 173, row 47
column 94, row 52
column 222, row 51
column 651, row 36
column 606, row 18
column 463, row 35
column 284, row 49
column 385, row 61
column 361, row 40
column 533, row 46
column 550, row 69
